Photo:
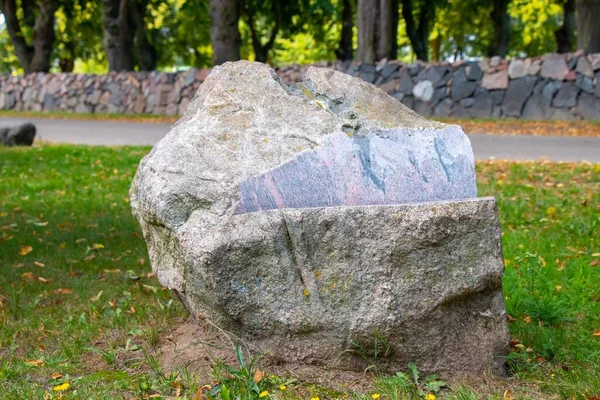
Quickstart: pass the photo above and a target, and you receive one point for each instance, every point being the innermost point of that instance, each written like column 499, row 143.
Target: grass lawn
column 81, row 315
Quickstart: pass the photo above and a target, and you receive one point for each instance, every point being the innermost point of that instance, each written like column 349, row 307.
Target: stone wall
column 554, row 86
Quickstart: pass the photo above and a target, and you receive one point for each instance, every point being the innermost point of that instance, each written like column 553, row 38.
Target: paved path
column 484, row 146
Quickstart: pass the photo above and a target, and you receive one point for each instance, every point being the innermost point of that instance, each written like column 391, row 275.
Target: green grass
column 90, row 116
column 81, row 307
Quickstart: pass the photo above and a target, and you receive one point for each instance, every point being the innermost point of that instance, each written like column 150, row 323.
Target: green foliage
column 78, row 31
column 242, row 380
column 409, row 385
column 462, row 28
column 8, row 60
column 533, row 25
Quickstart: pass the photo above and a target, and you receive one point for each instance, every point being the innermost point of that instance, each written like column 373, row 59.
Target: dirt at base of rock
column 198, row 346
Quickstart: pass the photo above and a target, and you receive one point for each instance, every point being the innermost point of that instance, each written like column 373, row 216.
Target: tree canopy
column 102, row 35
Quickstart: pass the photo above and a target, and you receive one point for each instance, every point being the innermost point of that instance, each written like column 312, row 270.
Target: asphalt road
column 114, row 133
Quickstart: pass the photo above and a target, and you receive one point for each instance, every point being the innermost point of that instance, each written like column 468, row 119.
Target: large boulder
column 324, row 222
column 21, row 135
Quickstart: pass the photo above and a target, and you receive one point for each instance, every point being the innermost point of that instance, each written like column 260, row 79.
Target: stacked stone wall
column 554, row 86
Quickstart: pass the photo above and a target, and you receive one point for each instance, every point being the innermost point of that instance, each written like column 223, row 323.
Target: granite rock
column 423, row 91
column 497, row 80
column 475, row 73
column 406, row 84
column 585, row 83
column 22, row 135
column 517, row 69
column 285, row 215
column 588, row 107
column 584, row 67
column 482, row 105
column 566, row 96
column 554, row 66
column 461, row 86
column 517, row 93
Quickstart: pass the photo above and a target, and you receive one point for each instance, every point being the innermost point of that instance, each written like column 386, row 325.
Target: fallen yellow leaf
column 44, row 280
column 25, row 250
column 27, row 275
column 61, row 388
column 56, row 375
column 507, row 395
column 64, row 291
column 39, row 264
column 596, row 333
column 35, row 363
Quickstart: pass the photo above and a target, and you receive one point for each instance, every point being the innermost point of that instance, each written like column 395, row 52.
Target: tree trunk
column 377, row 22
column 44, row 37
column 118, row 35
column 565, row 35
column 501, row 23
column 147, row 53
column 67, row 63
column 33, row 57
column 419, row 35
column 588, row 25
column 366, row 22
column 261, row 50
column 436, row 45
column 224, row 33
column 387, row 30
column 344, row 51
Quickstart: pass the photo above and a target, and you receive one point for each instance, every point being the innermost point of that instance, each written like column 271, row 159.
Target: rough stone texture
column 517, row 93
column 231, row 207
column 517, row 69
column 566, row 96
column 461, row 86
column 423, row 90
column 585, row 83
column 22, row 135
column 588, row 107
column 475, row 73
column 554, row 66
column 584, row 67
column 497, row 80
column 482, row 106
column 170, row 93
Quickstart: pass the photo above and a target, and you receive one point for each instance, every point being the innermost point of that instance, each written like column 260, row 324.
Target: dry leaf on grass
column 25, row 250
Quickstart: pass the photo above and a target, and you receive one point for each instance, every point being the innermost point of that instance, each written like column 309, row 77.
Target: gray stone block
column 566, row 96
column 588, row 107
column 461, row 87
column 584, row 83
column 475, row 73
column 443, row 108
column 517, row 94
column 482, row 105
column 406, row 84
column 537, row 107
